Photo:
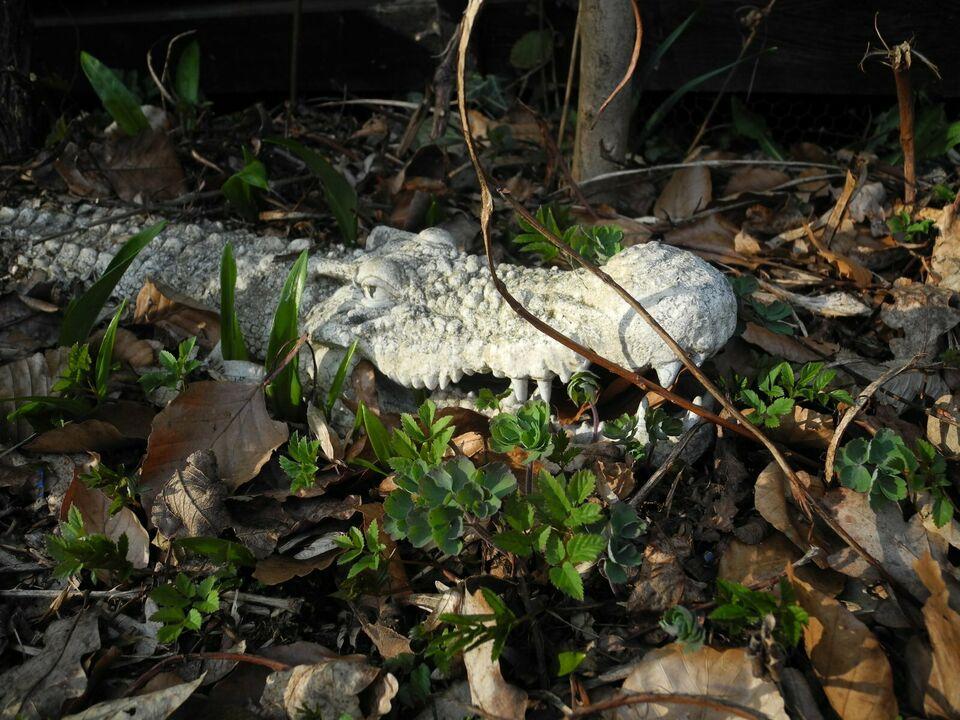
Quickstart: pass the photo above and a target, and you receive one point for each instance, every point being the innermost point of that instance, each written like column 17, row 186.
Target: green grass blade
column 667, row 105
column 285, row 390
column 337, row 386
column 376, row 432
column 340, row 195
column 664, row 46
column 105, row 354
column 187, row 79
column 232, row 346
column 117, row 100
column 82, row 313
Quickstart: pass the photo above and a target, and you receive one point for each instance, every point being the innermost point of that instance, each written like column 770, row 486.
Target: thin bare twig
column 634, row 56
column 710, row 702
column 575, row 46
column 274, row 665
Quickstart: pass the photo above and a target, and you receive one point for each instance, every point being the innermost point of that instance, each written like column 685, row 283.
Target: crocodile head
column 427, row 315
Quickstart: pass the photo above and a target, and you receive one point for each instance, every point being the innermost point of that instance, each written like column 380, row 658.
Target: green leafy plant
column 242, row 189
column 82, row 312
column 364, row 551
column 885, row 468
column 414, row 448
column 904, row 228
column 465, row 632
column 336, row 387
column 569, row 661
column 683, row 625
column 416, row 690
column 173, row 370
column 232, row 346
column 438, row 504
column 120, row 487
column 489, row 400
column 595, row 243
column 186, row 79
column 623, row 431
column 76, row 550
column 122, row 105
column 740, row 609
column 340, row 195
column 751, row 125
column 554, row 521
column 770, row 316
column 532, row 49
column 779, row 389
column 623, row 529
column 183, row 605
column 583, row 388
column 81, row 387
column 227, row 554
column 661, row 425
column 285, row 390
column 528, row 428
column 301, row 462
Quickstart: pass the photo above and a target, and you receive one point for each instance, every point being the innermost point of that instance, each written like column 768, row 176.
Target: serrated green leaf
column 585, row 547
column 567, row 579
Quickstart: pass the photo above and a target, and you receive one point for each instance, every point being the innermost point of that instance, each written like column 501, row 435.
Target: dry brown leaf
column 942, row 697
column 389, row 642
column 143, row 167
column 923, row 313
column 804, row 427
column 662, row 582
column 885, row 535
column 941, row 432
column 192, row 503
column 785, row 346
column 128, row 349
column 329, row 688
column 157, row 705
column 687, row 191
column 94, row 506
column 726, row 674
column 763, row 563
column 771, row 500
column 176, row 314
column 488, row 690
column 945, row 259
column 846, row 266
column 754, row 179
column 38, row 687
column 25, row 327
column 75, row 437
column 278, row 569
column 846, row 657
column 229, row 418
column 712, row 234
column 29, row 376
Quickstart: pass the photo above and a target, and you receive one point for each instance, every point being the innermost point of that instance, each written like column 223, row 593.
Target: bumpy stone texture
column 422, row 311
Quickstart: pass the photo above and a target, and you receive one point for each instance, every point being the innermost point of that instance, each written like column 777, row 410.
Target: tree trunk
column 15, row 114
column 607, row 32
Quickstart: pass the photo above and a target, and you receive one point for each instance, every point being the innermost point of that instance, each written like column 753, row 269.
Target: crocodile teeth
column 545, row 387
column 667, row 373
column 456, row 376
column 520, row 389
column 430, row 382
column 565, row 375
column 444, row 381
column 691, row 418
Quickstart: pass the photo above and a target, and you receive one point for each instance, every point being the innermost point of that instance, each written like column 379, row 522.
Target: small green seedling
column 661, row 425
column 121, row 488
column 780, row 388
column 553, row 521
column 623, row 432
column 683, row 625
column 301, row 462
column 122, row 105
column 771, row 316
column 569, row 661
column 285, row 390
column 622, row 531
column 528, row 429
column 173, row 371
column 583, row 388
column 903, row 228
column 415, row 448
column 437, row 504
column 244, row 188
column 595, row 243
column 183, row 605
column 886, row 469
column 77, row 550
column 465, row 632
column 226, row 554
column 740, row 609
column 489, row 400
column 232, row 346
column 364, row 551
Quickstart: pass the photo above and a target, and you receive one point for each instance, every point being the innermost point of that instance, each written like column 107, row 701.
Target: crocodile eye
column 377, row 279
column 375, row 294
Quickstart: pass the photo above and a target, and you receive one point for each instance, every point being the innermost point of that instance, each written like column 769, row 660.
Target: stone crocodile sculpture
column 423, row 312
